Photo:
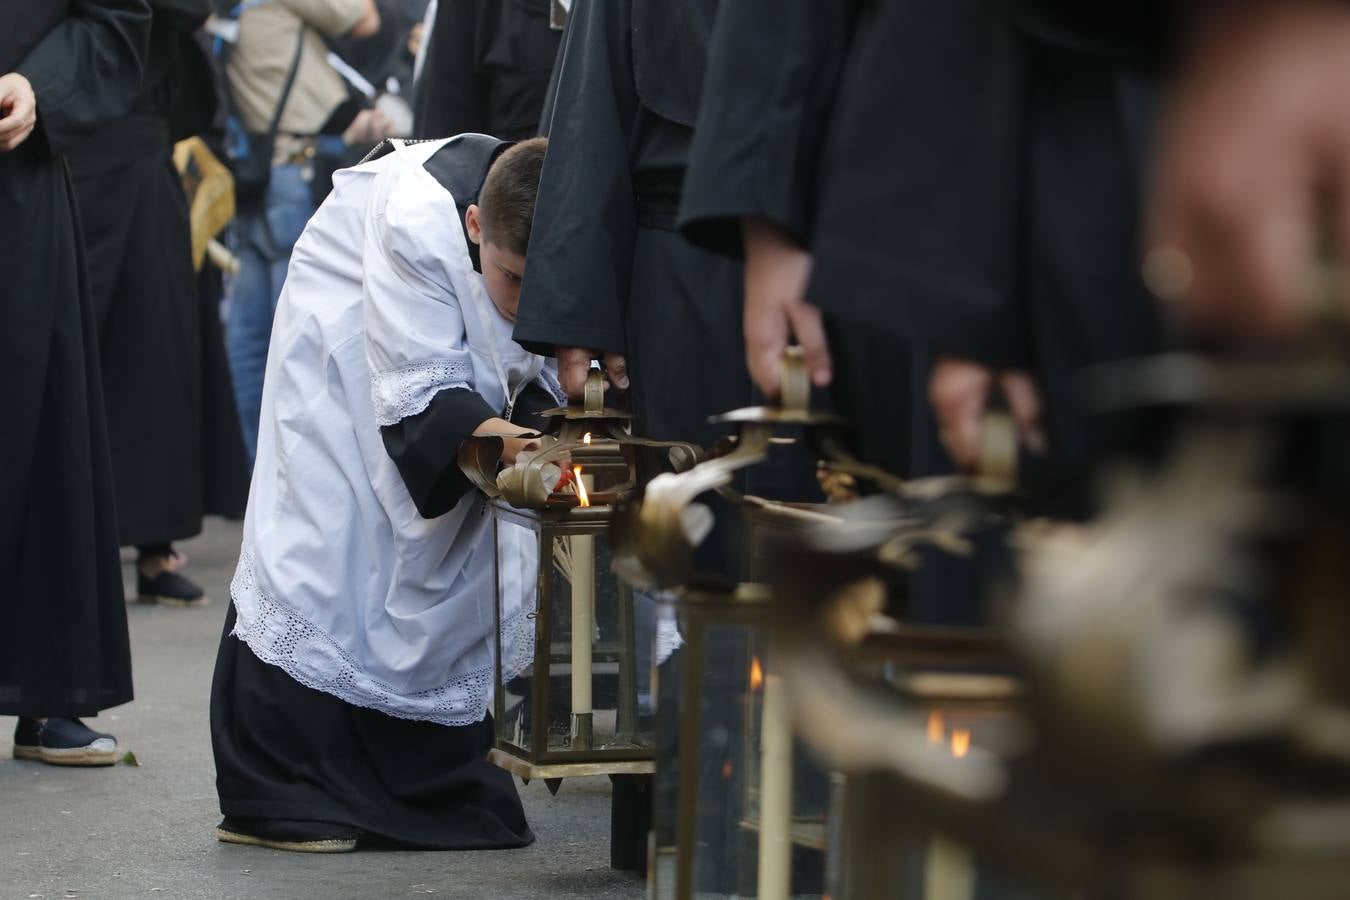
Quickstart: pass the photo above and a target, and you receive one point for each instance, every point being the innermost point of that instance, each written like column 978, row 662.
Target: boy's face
column 502, row 269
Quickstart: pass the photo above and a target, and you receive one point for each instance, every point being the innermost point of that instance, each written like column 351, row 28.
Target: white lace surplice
column 340, row 581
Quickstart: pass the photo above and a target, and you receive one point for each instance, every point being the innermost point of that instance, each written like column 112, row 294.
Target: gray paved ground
column 148, row 831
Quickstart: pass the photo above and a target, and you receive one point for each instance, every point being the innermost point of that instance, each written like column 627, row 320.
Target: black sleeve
column 773, row 69
column 87, row 70
column 579, row 265
column 533, row 401
column 424, row 448
column 451, row 95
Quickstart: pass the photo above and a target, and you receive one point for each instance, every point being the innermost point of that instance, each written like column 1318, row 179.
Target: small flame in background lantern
column 581, row 488
column 727, row 770
column 756, row 674
column 937, row 729
column 960, row 742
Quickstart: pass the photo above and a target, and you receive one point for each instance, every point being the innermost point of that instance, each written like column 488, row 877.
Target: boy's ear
column 473, row 225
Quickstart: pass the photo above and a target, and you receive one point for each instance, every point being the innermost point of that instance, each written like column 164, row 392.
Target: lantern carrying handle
column 594, row 397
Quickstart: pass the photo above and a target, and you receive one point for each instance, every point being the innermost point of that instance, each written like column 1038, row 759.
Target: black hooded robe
column 486, row 69
column 63, row 628
column 153, row 329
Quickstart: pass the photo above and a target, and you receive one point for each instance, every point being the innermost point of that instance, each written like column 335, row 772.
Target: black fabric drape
column 486, row 69
column 63, row 636
column 152, row 329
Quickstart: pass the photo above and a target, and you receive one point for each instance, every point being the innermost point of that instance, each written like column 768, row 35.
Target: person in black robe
column 65, row 68
column 995, row 216
column 753, row 190
column 976, row 193
column 609, row 277
column 151, row 324
column 486, row 69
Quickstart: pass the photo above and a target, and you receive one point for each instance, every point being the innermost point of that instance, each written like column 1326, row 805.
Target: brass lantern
column 571, row 671
column 737, row 807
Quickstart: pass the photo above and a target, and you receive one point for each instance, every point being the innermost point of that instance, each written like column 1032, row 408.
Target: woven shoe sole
column 330, row 845
column 76, row 756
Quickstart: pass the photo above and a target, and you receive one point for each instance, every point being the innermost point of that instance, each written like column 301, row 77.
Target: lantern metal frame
column 538, row 760
column 701, row 610
column 531, row 494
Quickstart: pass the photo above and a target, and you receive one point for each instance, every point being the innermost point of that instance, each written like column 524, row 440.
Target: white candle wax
column 775, row 793
column 583, row 605
column 949, row 873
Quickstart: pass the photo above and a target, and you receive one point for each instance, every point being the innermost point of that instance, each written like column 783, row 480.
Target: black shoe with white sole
column 280, row 834
column 63, row 742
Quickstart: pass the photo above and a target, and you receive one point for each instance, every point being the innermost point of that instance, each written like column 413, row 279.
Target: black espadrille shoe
column 280, row 834
column 63, row 742
column 169, row 589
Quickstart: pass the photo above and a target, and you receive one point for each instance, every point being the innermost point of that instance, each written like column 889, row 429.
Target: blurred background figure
column 486, row 67
column 153, row 331
column 380, row 67
column 65, row 69
column 279, row 80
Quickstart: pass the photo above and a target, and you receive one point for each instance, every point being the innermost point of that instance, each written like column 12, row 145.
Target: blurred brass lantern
column 738, row 811
column 571, row 674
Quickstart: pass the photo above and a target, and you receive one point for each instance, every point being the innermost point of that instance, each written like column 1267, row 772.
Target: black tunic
column 486, row 69
column 286, row 751
column 605, row 269
column 1008, row 230
column 150, row 321
column 63, row 633
column 774, row 75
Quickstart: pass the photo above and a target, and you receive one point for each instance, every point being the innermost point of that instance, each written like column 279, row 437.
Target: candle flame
column 756, row 674
column 960, row 743
column 727, row 770
column 937, row 729
column 587, row 439
column 581, row 487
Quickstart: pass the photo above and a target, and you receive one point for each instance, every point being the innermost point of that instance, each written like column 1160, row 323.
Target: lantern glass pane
column 517, row 594
column 597, row 673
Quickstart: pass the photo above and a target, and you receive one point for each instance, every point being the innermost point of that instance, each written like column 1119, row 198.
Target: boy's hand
column 777, row 270
column 18, row 111
column 959, row 391
column 574, row 364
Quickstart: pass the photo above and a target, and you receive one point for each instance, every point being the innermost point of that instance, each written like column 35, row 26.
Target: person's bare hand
column 777, row 270
column 18, row 108
column 574, row 365
column 369, row 127
column 415, row 39
column 1254, row 164
column 960, row 390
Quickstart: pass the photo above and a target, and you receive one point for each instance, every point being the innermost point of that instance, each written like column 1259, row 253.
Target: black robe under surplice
column 63, row 629
column 486, row 69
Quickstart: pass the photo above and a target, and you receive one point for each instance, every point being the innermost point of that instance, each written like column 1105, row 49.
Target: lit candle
column 775, row 792
column 582, row 547
column 949, row 873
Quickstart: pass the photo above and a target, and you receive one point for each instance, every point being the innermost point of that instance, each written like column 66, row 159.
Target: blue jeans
column 265, row 237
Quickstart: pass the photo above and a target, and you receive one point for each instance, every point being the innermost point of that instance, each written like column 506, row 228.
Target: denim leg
column 266, row 239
